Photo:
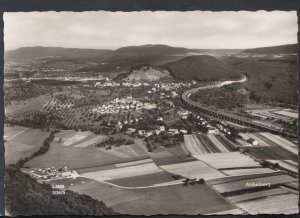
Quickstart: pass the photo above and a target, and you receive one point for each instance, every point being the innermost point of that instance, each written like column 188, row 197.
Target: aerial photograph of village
column 147, row 113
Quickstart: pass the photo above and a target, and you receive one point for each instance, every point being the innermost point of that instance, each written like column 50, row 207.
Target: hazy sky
column 110, row 30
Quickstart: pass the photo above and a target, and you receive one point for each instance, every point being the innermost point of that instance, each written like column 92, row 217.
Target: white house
column 162, row 128
column 160, row 119
column 130, row 130
column 149, row 133
column 141, row 132
column 173, row 131
column 183, row 131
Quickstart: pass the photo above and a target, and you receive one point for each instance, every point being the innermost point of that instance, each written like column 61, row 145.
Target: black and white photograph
column 151, row 113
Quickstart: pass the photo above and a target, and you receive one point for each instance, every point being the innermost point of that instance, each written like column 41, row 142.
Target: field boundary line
column 16, row 134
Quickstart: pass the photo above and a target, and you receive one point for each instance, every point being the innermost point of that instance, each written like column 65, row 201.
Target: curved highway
column 225, row 115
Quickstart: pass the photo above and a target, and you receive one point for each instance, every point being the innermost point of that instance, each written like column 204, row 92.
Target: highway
column 225, row 115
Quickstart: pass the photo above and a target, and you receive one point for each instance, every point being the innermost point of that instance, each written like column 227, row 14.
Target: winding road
column 226, row 115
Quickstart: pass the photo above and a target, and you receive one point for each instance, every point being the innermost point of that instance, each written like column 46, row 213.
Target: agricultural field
column 277, row 204
column 273, row 149
column 255, row 195
column 240, row 172
column 171, row 155
column 193, row 169
column 257, row 137
column 271, row 153
column 287, row 113
column 208, row 143
column 134, row 181
column 60, row 155
column 229, row 179
column 123, row 172
column 77, row 151
column 190, row 200
column 11, row 132
column 21, row 142
column 287, row 145
column 272, row 201
column 193, row 145
column 275, row 113
column 145, row 180
column 228, row 160
column 107, row 193
column 269, row 139
column 286, row 164
column 241, row 184
column 292, row 185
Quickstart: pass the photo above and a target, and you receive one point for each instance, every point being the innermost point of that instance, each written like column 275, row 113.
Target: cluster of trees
column 202, row 128
column 149, row 145
column 163, row 139
column 254, row 96
column 37, row 120
column 22, row 91
column 191, row 124
column 234, row 134
column 25, row 196
column 115, row 141
column 226, row 97
column 43, row 149
column 148, row 123
column 193, row 181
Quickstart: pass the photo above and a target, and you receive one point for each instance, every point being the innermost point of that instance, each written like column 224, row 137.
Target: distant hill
column 42, row 52
column 159, row 49
column 281, row 49
column 70, row 54
column 151, row 50
column 201, row 68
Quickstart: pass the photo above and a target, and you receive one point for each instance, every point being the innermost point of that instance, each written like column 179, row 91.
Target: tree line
column 42, row 150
